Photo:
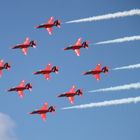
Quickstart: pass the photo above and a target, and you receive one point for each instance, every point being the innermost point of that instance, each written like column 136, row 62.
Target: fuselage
column 93, row 72
column 73, row 47
column 39, row 111
column 67, row 94
column 43, row 72
column 17, row 89
column 46, row 25
column 21, row 46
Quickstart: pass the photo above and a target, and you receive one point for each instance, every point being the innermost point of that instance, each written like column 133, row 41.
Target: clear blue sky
column 18, row 19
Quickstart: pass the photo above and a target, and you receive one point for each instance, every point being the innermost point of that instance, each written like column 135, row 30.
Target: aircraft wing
column 47, row 76
column 45, row 106
column 21, row 93
column 78, row 43
column 27, row 41
column 22, row 84
column 1, row 63
column 71, row 99
column 51, row 20
column 0, row 73
column 72, row 90
column 48, row 67
column 97, row 76
column 43, row 116
column 77, row 51
column 25, row 50
column 98, row 67
column 49, row 30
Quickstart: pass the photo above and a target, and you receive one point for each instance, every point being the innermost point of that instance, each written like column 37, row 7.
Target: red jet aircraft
column 47, row 71
column 21, row 88
column 96, row 72
column 27, row 43
column 50, row 24
column 72, row 93
column 77, row 46
column 44, row 110
column 4, row 66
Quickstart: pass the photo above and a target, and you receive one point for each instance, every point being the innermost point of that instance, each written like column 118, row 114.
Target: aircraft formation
column 51, row 69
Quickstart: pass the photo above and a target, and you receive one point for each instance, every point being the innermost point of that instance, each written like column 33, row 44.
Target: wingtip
column 50, row 33
column 23, row 81
column 78, row 54
column 46, row 103
column 21, row 97
column 74, row 86
column 72, row 103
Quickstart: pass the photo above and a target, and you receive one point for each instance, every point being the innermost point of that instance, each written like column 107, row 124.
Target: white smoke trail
column 118, row 88
column 132, row 12
column 135, row 66
column 106, row 103
column 120, row 40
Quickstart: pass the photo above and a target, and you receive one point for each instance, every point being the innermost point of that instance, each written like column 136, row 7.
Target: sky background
column 18, row 19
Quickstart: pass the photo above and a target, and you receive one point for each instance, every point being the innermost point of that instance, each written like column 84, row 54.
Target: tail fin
column 29, row 86
column 33, row 43
column 7, row 66
column 85, row 44
column 79, row 92
column 55, row 69
column 57, row 23
column 52, row 108
column 105, row 69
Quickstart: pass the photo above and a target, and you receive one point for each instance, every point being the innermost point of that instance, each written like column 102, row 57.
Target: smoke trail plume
column 106, row 103
column 135, row 66
column 132, row 12
column 120, row 40
column 118, row 88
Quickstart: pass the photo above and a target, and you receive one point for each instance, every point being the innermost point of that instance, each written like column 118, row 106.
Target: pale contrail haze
column 120, row 40
column 119, row 88
column 132, row 12
column 134, row 66
column 105, row 103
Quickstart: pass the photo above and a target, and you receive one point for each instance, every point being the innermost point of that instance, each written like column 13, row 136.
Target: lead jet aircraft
column 49, row 69
column 20, row 89
column 4, row 66
column 50, row 24
column 44, row 110
column 77, row 46
column 97, row 71
column 72, row 93
column 27, row 43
